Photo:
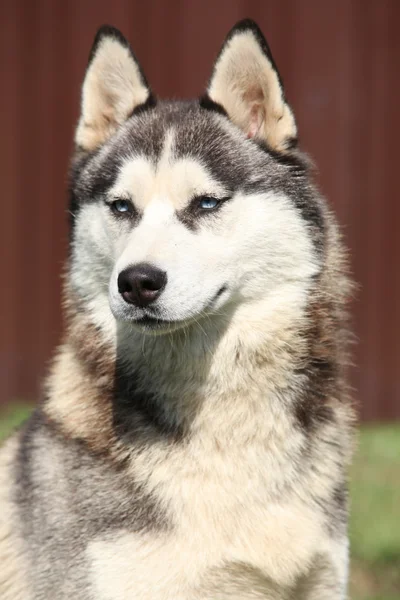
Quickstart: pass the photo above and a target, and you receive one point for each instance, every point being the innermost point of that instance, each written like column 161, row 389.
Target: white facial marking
column 135, row 181
column 251, row 247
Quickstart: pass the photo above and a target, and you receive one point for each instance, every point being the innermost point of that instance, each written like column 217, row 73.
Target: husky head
column 187, row 209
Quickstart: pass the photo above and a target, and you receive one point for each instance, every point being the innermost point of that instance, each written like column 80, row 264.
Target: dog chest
column 217, row 522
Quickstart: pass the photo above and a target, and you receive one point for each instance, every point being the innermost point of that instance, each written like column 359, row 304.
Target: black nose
column 141, row 284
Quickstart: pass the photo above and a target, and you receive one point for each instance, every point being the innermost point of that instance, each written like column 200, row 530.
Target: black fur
column 208, row 104
column 192, row 215
column 138, row 416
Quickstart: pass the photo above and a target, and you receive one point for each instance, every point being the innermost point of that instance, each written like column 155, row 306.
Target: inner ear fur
column 114, row 86
column 246, row 83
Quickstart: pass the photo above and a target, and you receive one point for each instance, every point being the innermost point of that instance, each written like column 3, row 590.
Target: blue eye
column 208, row 203
column 121, row 207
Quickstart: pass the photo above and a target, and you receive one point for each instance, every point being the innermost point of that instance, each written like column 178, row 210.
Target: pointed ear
column 246, row 83
column 113, row 88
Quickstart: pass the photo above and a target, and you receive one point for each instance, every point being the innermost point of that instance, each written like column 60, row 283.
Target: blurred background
column 340, row 62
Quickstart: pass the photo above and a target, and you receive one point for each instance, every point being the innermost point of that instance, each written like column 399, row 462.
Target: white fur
column 258, row 245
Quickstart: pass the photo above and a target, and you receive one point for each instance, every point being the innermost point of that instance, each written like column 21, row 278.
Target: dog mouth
column 151, row 322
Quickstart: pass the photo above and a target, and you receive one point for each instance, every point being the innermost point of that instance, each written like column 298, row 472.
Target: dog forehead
column 172, row 179
column 189, row 132
column 178, row 152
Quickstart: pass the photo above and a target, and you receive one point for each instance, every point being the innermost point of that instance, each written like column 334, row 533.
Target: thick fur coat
column 195, row 432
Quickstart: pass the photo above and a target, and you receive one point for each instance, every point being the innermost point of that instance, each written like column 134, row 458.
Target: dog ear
column 246, row 83
column 113, row 88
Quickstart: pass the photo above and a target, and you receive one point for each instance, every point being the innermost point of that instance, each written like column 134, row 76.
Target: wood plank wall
column 340, row 62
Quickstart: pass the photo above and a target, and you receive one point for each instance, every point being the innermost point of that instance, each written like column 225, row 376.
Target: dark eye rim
column 198, row 199
column 128, row 214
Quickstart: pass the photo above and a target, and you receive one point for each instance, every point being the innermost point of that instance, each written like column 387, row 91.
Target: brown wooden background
column 341, row 64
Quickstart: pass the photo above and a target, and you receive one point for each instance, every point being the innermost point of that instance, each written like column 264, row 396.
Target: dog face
column 184, row 209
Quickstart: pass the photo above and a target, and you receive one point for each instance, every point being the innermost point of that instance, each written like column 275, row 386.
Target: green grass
column 12, row 417
column 375, row 508
column 375, row 515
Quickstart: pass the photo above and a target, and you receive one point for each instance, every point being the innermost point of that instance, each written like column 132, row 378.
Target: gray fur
column 67, row 495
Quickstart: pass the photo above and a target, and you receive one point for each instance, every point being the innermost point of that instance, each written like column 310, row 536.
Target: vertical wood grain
column 340, row 64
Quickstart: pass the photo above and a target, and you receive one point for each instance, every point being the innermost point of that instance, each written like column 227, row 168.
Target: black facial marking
column 88, row 184
column 192, row 215
column 93, row 174
column 239, row 166
column 77, row 165
column 131, row 217
column 200, row 137
column 294, row 162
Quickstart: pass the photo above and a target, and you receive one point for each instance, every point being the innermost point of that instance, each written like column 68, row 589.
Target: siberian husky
column 195, row 430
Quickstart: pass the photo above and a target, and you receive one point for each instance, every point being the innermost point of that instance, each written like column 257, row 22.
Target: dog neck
column 173, row 384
